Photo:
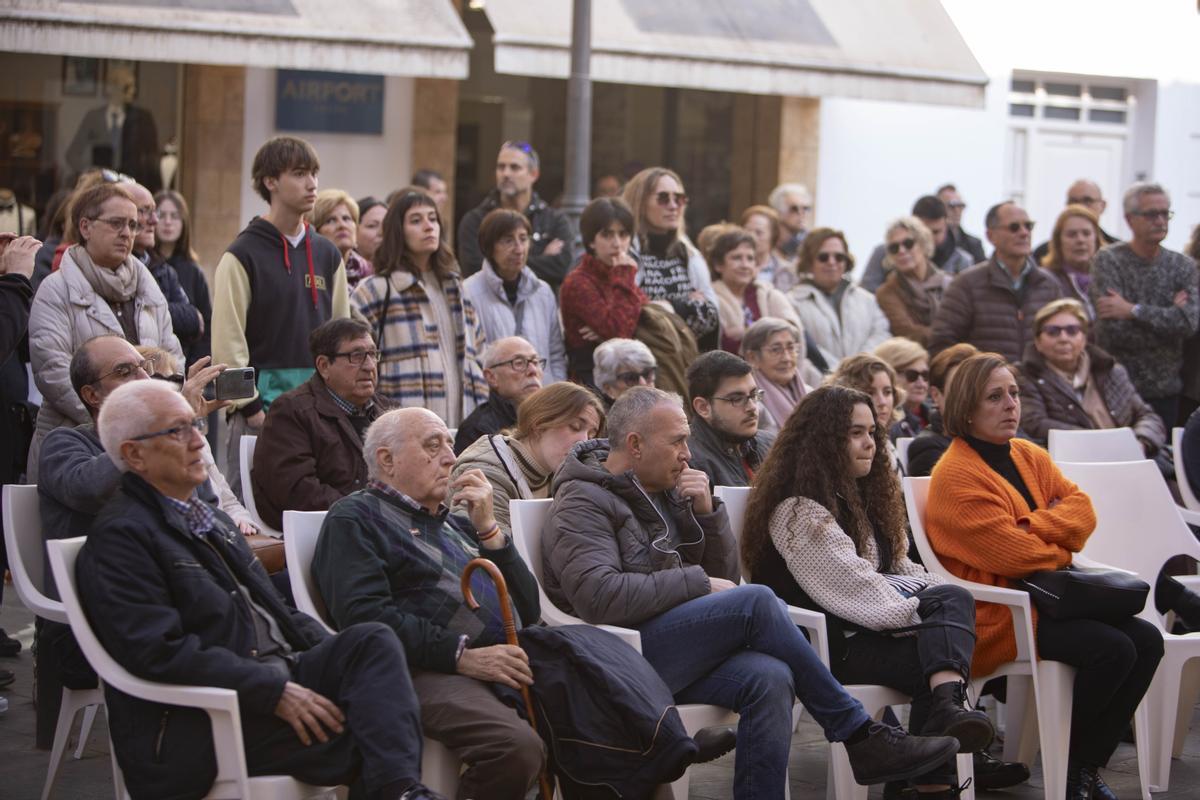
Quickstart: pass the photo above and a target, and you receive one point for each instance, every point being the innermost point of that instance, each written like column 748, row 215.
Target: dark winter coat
column 548, row 224
column 723, row 462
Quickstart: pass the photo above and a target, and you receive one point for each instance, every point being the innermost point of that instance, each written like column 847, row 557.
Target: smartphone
column 231, row 384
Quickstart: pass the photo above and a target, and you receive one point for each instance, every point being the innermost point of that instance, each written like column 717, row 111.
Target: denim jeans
column 740, row 650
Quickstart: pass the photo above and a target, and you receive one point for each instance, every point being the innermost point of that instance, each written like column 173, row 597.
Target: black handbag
column 1083, row 593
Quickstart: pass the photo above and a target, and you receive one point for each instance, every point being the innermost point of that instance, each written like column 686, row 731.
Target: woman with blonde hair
column 913, row 289
column 335, row 216
column 774, row 268
column 1073, row 245
column 911, row 363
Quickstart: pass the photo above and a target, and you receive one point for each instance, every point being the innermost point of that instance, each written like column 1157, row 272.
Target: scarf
column 780, row 401
column 923, row 297
column 1087, row 392
column 118, row 285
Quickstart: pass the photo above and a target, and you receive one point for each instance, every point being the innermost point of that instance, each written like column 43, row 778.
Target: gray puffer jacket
column 609, row 555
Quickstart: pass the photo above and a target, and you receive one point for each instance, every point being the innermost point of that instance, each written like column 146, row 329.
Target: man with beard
column 725, row 441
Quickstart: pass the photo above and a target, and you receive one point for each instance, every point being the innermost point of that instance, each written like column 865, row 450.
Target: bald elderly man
column 184, row 601
column 1087, row 194
column 394, row 553
column 513, row 370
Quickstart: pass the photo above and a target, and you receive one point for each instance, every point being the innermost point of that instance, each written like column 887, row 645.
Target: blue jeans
column 739, row 649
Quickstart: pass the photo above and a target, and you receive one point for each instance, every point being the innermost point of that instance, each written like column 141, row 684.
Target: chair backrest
column 735, row 498
column 528, row 519
column 245, row 464
column 1090, row 446
column 902, row 451
column 916, row 498
column 1138, row 526
column 1190, row 500
column 26, row 553
column 301, row 530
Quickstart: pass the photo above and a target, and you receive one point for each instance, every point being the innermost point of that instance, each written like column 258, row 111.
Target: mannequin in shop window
column 119, row 134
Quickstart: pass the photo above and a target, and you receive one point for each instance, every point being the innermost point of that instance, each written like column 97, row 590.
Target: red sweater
column 604, row 299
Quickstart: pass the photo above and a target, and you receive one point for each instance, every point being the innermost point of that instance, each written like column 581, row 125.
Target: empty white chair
column 902, row 445
column 1105, row 444
column 246, row 456
column 23, row 539
column 221, row 705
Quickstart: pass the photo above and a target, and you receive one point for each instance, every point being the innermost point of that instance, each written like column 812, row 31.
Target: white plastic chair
column 1190, row 501
column 1046, row 709
column 528, row 523
column 246, row 462
column 1105, row 444
column 23, row 538
column 840, row 784
column 1138, row 528
column 221, row 705
column 902, row 445
column 440, row 768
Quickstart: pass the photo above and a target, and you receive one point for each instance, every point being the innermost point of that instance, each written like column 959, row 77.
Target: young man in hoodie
column 276, row 283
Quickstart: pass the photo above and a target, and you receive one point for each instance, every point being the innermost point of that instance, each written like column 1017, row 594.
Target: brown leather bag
column 268, row 550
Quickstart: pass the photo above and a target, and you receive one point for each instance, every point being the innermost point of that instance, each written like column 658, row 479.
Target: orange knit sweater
column 973, row 520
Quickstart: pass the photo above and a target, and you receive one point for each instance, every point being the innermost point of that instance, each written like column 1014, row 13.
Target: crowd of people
column 413, row 384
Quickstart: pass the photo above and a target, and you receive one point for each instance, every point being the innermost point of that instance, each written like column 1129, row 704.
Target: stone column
column 435, row 131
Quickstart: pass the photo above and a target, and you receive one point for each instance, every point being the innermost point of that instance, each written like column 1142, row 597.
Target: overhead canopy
column 907, row 50
column 391, row 37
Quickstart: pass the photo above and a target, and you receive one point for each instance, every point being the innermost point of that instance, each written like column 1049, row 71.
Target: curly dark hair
column 809, row 459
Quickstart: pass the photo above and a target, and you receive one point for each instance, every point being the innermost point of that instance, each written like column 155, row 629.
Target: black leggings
column 1115, row 664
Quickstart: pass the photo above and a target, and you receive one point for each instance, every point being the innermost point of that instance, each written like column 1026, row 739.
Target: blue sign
column 333, row 102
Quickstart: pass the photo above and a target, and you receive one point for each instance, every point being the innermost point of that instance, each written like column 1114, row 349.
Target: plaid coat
column 412, row 369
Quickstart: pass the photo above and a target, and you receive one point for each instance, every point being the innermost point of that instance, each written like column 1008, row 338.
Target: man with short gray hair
column 793, row 203
column 1146, row 300
column 513, row 370
column 635, row 538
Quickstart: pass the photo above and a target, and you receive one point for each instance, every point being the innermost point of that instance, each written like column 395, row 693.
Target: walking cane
column 510, row 636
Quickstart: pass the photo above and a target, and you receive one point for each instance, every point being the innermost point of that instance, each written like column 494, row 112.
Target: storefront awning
column 905, row 50
column 424, row 38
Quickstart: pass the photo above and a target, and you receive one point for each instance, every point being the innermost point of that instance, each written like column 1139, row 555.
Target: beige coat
column 771, row 302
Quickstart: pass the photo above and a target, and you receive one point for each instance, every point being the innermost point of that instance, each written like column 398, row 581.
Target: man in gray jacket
column 635, row 538
column 726, row 444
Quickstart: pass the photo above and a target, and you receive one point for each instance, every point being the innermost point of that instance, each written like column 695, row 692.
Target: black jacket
column 185, row 319
column 723, row 462
column 195, row 285
column 548, row 224
column 16, row 415
column 491, row 416
column 166, row 607
column 927, row 448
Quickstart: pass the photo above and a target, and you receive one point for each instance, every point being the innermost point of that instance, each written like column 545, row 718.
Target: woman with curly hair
column 825, row 529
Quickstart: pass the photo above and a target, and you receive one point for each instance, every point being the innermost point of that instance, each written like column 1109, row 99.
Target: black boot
column 1081, row 782
column 1101, row 791
column 992, row 773
column 714, row 742
column 890, row 754
column 950, row 716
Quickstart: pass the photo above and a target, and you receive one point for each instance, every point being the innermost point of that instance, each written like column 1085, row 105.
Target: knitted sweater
column 974, row 520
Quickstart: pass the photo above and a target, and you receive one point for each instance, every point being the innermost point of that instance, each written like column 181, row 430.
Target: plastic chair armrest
column 814, row 623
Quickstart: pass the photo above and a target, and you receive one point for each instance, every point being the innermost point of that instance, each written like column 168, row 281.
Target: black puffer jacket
column 548, row 224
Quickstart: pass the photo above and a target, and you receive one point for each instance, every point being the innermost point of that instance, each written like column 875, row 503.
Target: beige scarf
column 118, row 285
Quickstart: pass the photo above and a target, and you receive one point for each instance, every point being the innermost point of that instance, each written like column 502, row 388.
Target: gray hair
column 919, row 231
column 129, row 412
column 612, row 355
column 489, row 349
column 1134, row 194
column 760, row 332
column 776, row 198
column 632, row 408
column 386, row 431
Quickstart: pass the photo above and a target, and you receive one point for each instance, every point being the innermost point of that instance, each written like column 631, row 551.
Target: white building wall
column 358, row 163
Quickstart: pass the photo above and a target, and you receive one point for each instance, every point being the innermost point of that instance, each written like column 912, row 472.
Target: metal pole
column 579, row 114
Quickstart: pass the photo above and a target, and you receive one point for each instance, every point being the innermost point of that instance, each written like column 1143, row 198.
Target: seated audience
column 875, row 378
column 742, row 297
column 620, row 364
column 762, row 222
column 930, row 443
column 600, row 298
column 427, row 333
column 219, row 622
column 520, row 463
column 911, row 364
column 842, row 318
column 509, row 299
column 913, row 289
column 513, row 371
column 777, row 352
column 992, row 304
column 1070, row 384
column 726, row 442
column 635, row 538
column 1076, row 239
column 394, row 553
column 999, row 509
column 309, row 454
column 335, row 216
column 826, row 529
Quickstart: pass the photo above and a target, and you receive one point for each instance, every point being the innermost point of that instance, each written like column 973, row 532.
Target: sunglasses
column 1054, row 331
column 634, row 377
column 799, row 209
column 914, row 375
column 1083, row 201
column 906, row 244
column 825, row 258
column 1015, row 227
column 664, row 198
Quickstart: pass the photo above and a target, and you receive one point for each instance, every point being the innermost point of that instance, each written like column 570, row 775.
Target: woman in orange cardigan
column 999, row 509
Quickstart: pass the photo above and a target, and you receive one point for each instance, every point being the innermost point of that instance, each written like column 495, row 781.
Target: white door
column 1057, row 159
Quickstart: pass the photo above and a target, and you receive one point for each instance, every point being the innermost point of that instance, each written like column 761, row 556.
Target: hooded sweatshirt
column 268, row 296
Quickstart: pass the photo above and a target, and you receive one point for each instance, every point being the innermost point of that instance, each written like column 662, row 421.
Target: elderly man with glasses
column 309, row 454
column 513, row 370
column 726, row 442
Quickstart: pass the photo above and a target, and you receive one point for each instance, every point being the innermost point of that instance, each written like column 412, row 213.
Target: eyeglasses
column 914, row 375
column 1086, row 200
column 779, row 349
column 124, row 371
column 956, row 205
column 148, row 212
column 664, row 198
column 825, row 258
column 357, row 357
column 180, row 433
column 118, row 224
column 1054, row 331
column 799, row 209
column 907, row 244
column 1015, row 227
column 740, row 400
column 1154, row 213
column 633, row 377
column 521, row 363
